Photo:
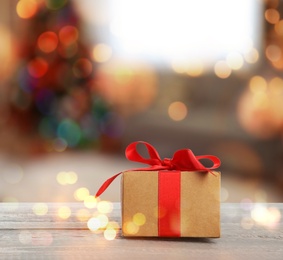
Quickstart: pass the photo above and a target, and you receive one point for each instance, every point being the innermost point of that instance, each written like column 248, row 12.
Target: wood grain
column 24, row 235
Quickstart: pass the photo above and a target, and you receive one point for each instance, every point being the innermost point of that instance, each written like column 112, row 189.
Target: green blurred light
column 55, row 4
column 70, row 132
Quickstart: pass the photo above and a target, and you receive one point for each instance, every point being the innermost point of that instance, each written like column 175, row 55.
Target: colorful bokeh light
column 47, row 41
column 38, row 67
column 26, row 8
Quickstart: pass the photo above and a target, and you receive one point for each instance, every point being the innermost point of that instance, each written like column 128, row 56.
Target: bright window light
column 181, row 30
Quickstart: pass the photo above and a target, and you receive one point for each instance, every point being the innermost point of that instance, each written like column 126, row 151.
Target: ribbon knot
column 183, row 160
column 168, row 163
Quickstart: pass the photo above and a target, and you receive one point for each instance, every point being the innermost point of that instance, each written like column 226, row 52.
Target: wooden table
column 29, row 231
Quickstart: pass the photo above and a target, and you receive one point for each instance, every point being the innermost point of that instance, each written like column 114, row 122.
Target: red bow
column 183, row 160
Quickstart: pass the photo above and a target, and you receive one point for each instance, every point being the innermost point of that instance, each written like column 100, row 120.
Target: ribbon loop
column 183, row 160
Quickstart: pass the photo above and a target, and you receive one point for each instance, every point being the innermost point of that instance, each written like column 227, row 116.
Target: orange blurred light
column 177, row 111
column 68, row 35
column 278, row 27
column 273, row 53
column 26, row 8
column 37, row 67
column 272, row 16
column 47, row 42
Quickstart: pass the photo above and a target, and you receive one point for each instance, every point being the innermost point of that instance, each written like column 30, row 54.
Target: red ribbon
column 183, row 160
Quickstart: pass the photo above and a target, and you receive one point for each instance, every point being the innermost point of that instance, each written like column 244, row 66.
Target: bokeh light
column 105, row 207
column 93, row 224
column 224, row 194
column 64, row 212
column 25, row 237
column 139, row 219
column 177, row 111
column 129, row 87
column 81, row 193
column 252, row 56
column 68, row 35
column 101, row 52
column 195, row 68
column 273, row 52
column 235, row 60
column 103, row 219
column 40, row 209
column 59, row 145
column 260, row 109
column 266, row 216
column 26, row 8
column 37, row 67
column 130, row 228
column 110, row 234
column 90, row 202
column 70, row 131
column 65, row 178
column 272, row 15
column 222, row 70
column 47, row 41
column 278, row 27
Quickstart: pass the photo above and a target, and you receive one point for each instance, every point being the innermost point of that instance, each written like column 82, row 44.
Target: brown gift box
column 199, row 204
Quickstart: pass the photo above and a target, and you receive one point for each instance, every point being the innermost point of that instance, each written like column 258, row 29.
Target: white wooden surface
column 24, row 235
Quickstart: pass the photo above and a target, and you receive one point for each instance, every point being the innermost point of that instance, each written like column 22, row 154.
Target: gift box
column 177, row 197
column 170, row 204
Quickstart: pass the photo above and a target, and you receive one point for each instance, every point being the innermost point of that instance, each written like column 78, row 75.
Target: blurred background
column 81, row 79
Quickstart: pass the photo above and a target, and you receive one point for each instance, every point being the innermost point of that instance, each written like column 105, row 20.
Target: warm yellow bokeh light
column 40, row 209
column 65, row 178
column 276, row 86
column 235, row 60
column 90, row 202
column 251, row 56
column 139, row 219
column 101, row 52
column 26, row 8
column 103, row 219
column 81, row 193
column 257, row 84
column 177, row 111
column 222, row 70
column 130, row 228
column 110, row 234
column 64, row 212
column 104, row 207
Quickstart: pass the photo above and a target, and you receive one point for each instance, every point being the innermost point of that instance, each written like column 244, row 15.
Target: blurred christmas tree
column 53, row 88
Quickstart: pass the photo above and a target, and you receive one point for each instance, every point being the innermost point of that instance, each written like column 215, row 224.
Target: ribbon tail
column 105, row 185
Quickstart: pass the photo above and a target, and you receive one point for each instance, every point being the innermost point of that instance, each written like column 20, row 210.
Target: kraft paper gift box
column 153, row 204
column 176, row 197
